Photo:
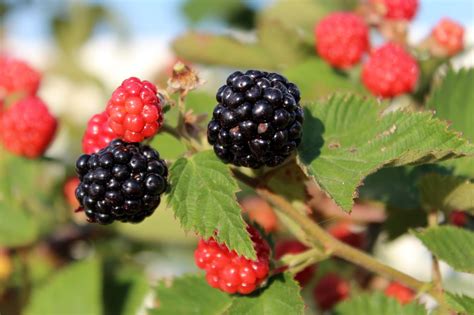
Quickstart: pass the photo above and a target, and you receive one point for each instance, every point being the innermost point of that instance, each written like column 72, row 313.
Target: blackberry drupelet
column 258, row 120
column 123, row 181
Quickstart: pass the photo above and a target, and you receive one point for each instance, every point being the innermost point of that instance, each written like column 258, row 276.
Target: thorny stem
column 331, row 244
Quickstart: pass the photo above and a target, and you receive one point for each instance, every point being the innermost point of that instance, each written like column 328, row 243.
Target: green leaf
column 16, row 227
column 235, row 13
column 446, row 193
column 302, row 15
column 316, row 79
column 203, row 198
column 190, row 294
column 282, row 297
column 277, row 47
column 347, row 138
column 76, row 289
column 450, row 244
column 453, row 100
column 221, row 50
column 461, row 303
column 124, row 290
column 377, row 304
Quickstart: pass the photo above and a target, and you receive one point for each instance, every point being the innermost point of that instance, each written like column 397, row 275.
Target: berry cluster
column 341, row 39
column 230, row 272
column 123, row 181
column 258, row 120
column 390, row 71
column 27, row 127
column 134, row 110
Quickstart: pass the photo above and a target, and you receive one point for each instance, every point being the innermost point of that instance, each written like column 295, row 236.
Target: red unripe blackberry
column 449, row 35
column 134, row 110
column 397, row 9
column 229, row 272
column 123, row 181
column 69, row 191
column 345, row 233
column 98, row 134
column 260, row 212
column 390, row 71
column 458, row 218
column 258, row 120
column 27, row 127
column 400, row 292
column 295, row 247
column 17, row 76
column 330, row 290
column 341, row 39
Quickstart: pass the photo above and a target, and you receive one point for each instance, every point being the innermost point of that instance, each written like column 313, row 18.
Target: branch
column 331, row 244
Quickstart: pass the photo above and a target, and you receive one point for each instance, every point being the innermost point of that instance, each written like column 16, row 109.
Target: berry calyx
column 390, row 71
column 134, row 110
column 449, row 35
column 27, row 127
column 330, row 290
column 400, row 292
column 458, row 218
column 295, row 247
column 341, row 39
column 17, row 76
column 344, row 232
column 258, row 120
column 98, row 134
column 123, row 181
column 229, row 272
column 396, row 9
column 260, row 211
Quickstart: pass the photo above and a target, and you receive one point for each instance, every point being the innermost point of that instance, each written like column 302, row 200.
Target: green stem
column 171, row 130
column 331, row 244
column 436, row 272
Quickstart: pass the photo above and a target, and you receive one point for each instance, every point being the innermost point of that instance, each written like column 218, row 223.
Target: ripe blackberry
column 257, row 121
column 134, row 110
column 229, row 272
column 341, row 39
column 123, row 181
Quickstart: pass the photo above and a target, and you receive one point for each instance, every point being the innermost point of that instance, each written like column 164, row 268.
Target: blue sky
column 162, row 18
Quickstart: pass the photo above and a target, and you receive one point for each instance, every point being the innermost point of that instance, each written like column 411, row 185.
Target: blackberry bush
column 123, row 181
column 258, row 120
column 327, row 203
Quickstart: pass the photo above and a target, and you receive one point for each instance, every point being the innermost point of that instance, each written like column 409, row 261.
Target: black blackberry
column 123, row 181
column 258, row 120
